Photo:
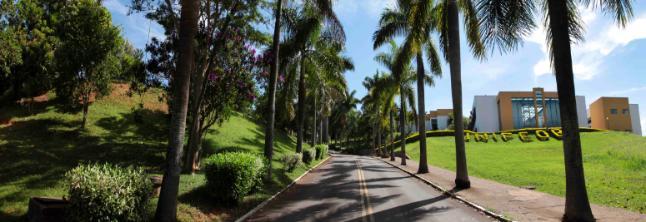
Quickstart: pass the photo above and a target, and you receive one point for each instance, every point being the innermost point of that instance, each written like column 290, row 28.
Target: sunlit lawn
column 614, row 163
column 37, row 150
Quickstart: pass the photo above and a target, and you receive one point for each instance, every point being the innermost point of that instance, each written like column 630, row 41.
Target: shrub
column 231, row 176
column 291, row 161
column 104, row 192
column 321, row 151
column 308, row 156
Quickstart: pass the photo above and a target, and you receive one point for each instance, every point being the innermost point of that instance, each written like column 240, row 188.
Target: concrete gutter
column 261, row 205
column 452, row 194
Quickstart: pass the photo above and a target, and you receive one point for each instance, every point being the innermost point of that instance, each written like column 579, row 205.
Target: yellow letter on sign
column 542, row 135
column 558, row 133
column 523, row 137
column 506, row 136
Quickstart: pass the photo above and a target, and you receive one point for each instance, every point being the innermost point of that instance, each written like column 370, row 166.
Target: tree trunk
column 378, row 136
column 313, row 142
column 326, row 130
column 462, row 175
column 301, row 109
column 421, row 114
column 86, row 105
column 321, row 129
column 194, row 143
column 196, row 125
column 392, row 135
column 577, row 206
column 273, row 78
column 402, row 123
column 167, row 204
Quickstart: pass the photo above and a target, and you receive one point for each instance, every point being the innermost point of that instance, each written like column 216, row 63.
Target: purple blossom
column 281, row 78
column 213, row 77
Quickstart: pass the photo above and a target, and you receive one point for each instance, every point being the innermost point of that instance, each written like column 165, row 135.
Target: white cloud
column 371, row 7
column 588, row 56
column 613, row 36
column 628, row 91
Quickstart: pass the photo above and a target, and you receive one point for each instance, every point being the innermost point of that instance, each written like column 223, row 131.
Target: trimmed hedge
column 291, row 161
column 104, row 192
column 308, row 155
column 321, row 151
column 231, row 176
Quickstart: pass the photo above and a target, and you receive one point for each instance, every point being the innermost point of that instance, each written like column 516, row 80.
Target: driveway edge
column 451, row 194
column 261, row 205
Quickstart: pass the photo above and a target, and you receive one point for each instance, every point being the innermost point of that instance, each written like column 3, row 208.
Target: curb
column 453, row 195
column 261, row 205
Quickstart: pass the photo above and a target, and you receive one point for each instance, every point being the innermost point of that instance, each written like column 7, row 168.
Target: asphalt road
column 355, row 188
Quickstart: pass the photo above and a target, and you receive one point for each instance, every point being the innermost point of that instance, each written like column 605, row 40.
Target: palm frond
column 433, row 58
column 621, row 10
column 472, row 28
column 504, row 24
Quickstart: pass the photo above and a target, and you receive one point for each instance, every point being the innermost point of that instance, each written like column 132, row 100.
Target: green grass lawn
column 38, row 148
column 614, row 163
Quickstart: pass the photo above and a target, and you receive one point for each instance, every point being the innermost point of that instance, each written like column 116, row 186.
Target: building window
column 552, row 112
column 625, row 111
column 613, row 111
column 539, row 108
column 523, row 112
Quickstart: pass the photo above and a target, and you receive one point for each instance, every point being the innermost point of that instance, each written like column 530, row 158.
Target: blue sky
column 610, row 62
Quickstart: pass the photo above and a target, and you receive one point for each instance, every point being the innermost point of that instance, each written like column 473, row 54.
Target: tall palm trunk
column 313, row 142
column 378, row 133
column 462, row 175
column 577, row 206
column 273, row 78
column 392, row 135
column 321, row 130
column 402, row 124
column 326, row 130
column 423, row 163
column 167, row 204
column 301, row 109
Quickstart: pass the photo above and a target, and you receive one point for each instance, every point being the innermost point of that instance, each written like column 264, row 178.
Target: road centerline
column 365, row 198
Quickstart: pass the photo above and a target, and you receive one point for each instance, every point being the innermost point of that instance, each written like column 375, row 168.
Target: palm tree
column 273, row 78
column 341, row 115
column 450, row 45
column 167, row 205
column 400, row 82
column 505, row 25
column 315, row 22
column 416, row 21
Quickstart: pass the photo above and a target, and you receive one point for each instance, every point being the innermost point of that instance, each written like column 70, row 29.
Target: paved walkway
column 513, row 202
column 359, row 188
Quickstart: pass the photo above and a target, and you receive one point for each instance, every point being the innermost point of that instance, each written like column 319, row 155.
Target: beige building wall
column 611, row 113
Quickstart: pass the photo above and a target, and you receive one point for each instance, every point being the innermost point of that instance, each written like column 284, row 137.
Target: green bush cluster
column 104, row 192
column 291, row 161
column 321, row 151
column 308, row 155
column 231, row 176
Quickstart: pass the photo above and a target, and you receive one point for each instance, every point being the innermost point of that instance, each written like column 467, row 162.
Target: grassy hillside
column 614, row 162
column 37, row 149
